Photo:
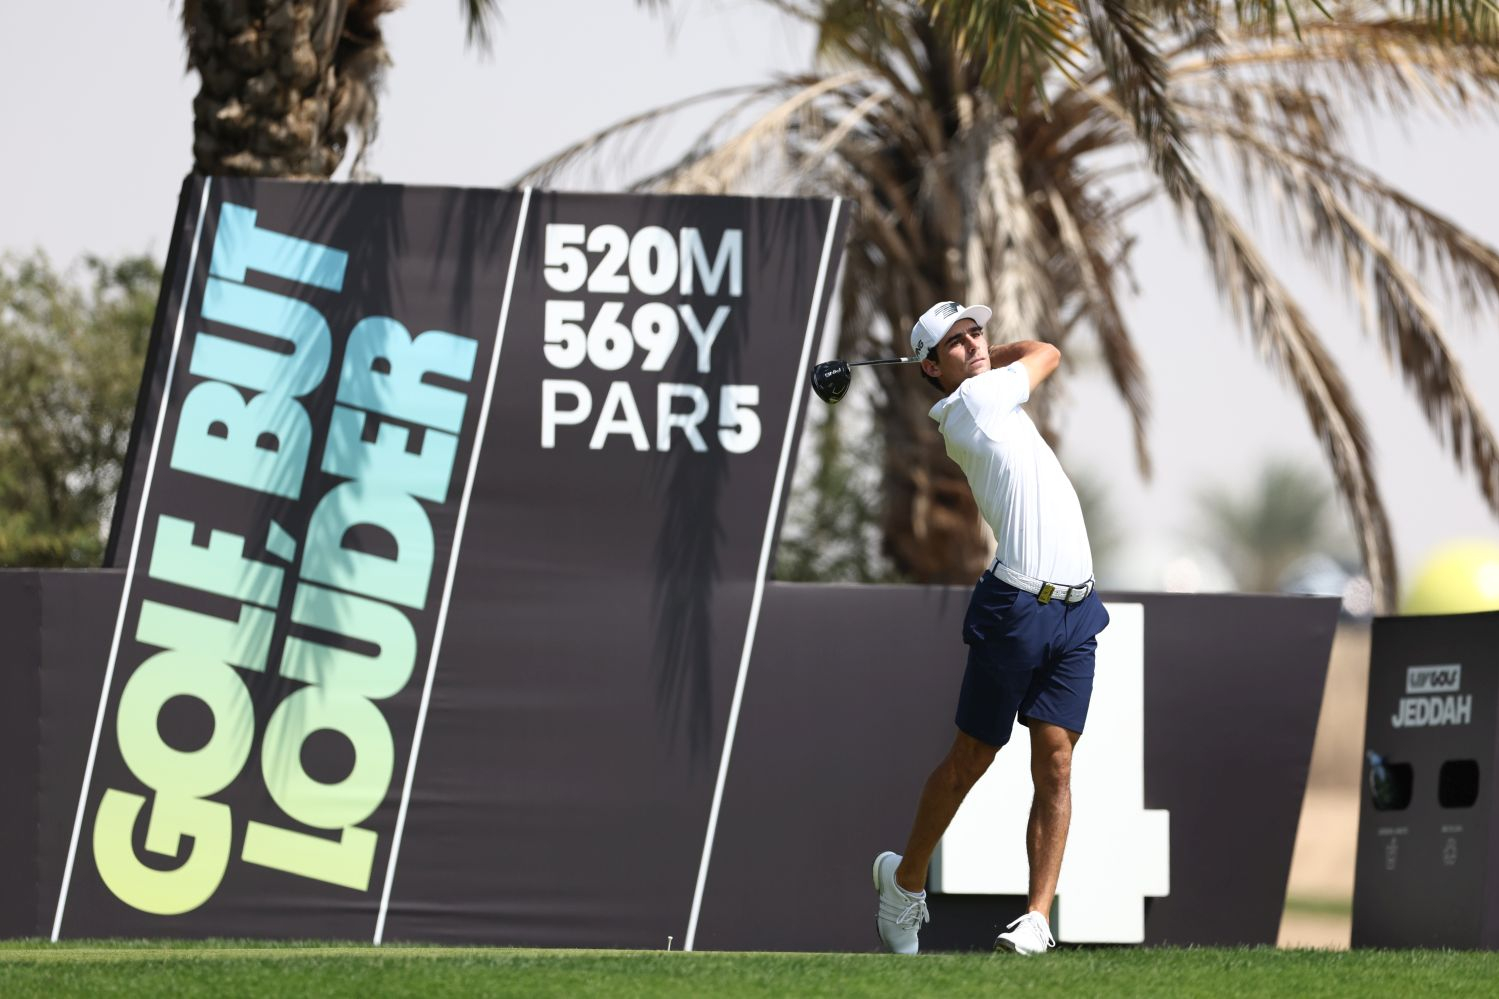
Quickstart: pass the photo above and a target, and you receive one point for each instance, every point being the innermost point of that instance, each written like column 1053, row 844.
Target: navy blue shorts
column 1026, row 659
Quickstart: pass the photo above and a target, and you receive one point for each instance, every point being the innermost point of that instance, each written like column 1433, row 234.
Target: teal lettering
column 402, row 391
column 378, row 676
column 403, row 579
column 287, row 319
column 240, row 245
column 237, row 456
column 220, row 567
column 384, row 463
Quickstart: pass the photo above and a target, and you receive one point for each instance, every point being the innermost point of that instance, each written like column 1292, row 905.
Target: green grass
column 245, row 968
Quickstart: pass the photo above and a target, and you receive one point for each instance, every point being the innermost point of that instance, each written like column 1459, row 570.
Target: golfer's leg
column 1051, row 809
column 945, row 790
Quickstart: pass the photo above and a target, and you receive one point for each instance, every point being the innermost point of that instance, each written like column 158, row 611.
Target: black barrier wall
column 1427, row 873
column 57, row 627
column 20, row 748
column 850, row 705
column 815, row 788
column 442, row 584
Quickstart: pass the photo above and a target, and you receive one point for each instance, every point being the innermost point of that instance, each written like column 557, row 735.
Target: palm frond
column 1458, row 258
column 1397, row 311
column 1455, row 18
column 834, row 138
column 1389, row 65
column 1283, row 334
column 1462, row 261
column 1102, row 308
column 723, row 166
column 1445, row 18
column 479, row 17
column 592, row 146
column 1285, row 338
column 1007, row 38
column 1264, row 15
column 1140, row 80
column 1410, row 333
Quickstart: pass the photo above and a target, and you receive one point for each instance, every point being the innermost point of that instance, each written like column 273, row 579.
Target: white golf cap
column 936, row 321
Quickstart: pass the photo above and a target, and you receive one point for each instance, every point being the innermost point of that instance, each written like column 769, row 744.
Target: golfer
column 1030, row 625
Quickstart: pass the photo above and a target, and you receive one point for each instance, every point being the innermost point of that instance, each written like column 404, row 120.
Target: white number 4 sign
column 1118, row 853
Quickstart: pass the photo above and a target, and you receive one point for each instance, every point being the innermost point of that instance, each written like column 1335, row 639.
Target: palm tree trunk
column 283, row 82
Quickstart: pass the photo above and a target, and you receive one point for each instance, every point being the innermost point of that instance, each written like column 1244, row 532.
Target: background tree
column 72, row 358
column 996, row 152
column 1106, row 534
column 1259, row 533
column 830, row 532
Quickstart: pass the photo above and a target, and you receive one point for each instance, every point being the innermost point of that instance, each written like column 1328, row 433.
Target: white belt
column 1043, row 590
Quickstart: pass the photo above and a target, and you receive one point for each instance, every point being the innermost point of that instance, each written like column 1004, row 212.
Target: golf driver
column 830, row 378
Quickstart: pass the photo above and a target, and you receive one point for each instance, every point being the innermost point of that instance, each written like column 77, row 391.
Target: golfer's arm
column 1040, row 359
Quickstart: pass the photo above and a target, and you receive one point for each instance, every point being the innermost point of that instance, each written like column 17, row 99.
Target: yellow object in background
column 1458, row 578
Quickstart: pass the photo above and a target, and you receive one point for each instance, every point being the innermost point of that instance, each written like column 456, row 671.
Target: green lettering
column 345, row 861
column 220, row 568
column 162, row 893
column 187, row 774
column 311, row 802
column 245, row 642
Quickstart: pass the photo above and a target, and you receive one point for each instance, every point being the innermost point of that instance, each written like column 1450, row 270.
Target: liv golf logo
column 1433, row 698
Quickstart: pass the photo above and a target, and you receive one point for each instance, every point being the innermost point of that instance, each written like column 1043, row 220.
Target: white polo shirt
column 1019, row 484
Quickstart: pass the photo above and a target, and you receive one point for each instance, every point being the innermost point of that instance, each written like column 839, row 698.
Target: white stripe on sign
column 447, row 587
column 135, row 544
column 798, row 389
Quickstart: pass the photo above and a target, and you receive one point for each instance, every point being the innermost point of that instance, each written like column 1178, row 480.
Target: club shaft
column 887, row 360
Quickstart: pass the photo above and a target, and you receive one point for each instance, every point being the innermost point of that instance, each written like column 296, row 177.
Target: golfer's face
column 963, row 353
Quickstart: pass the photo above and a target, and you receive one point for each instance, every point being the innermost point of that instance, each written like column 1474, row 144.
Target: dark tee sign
column 431, row 484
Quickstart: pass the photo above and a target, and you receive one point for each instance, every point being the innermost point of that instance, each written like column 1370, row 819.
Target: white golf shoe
column 901, row 912
column 1027, row 935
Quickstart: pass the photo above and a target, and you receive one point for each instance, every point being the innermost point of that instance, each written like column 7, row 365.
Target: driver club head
column 830, row 381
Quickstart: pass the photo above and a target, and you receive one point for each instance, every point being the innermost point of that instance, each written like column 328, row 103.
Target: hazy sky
column 96, row 115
